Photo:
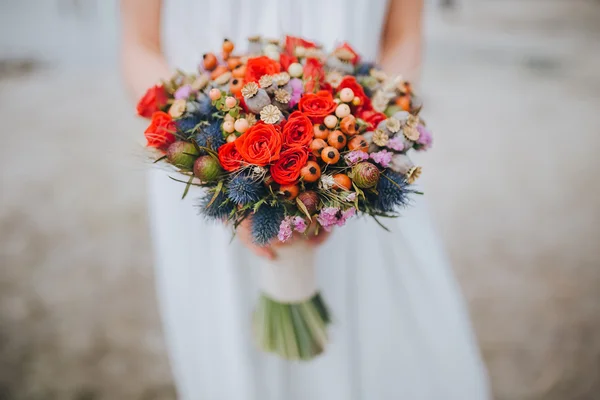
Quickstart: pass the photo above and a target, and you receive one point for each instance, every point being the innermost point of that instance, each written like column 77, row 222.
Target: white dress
column 400, row 327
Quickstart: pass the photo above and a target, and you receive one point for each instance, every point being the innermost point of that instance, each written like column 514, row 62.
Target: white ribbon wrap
column 291, row 277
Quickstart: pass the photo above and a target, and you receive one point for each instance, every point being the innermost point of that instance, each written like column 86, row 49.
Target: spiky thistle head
column 188, row 123
column 219, row 209
column 210, row 136
column 392, row 190
column 364, row 68
column 205, row 107
column 265, row 223
column 244, row 189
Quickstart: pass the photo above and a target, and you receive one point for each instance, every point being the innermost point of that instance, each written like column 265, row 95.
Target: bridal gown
column 400, row 329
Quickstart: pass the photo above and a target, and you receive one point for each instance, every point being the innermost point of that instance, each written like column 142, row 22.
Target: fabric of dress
column 400, row 330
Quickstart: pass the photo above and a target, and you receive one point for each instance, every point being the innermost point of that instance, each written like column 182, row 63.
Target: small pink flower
column 383, row 158
column 297, row 90
column 183, row 92
column 299, row 224
column 395, row 143
column 351, row 196
column 328, row 217
column 425, row 138
column 349, row 213
column 285, row 230
column 355, row 157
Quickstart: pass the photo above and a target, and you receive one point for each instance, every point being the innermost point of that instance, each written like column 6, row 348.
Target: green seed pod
column 365, row 175
column 207, row 169
column 182, row 154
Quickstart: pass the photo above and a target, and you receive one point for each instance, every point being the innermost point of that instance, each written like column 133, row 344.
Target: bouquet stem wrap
column 291, row 319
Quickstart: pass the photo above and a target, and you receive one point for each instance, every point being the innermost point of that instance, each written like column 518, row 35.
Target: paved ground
column 513, row 93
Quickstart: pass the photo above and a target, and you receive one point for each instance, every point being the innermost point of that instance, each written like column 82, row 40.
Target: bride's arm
column 402, row 39
column 141, row 55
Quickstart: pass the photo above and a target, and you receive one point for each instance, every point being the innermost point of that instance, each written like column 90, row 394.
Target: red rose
column 160, row 132
column 260, row 145
column 314, row 75
column 154, row 99
column 317, row 106
column 291, row 42
column 372, row 117
column 365, row 101
column 286, row 170
column 259, row 66
column 229, row 157
column 286, row 60
column 355, row 57
column 298, row 130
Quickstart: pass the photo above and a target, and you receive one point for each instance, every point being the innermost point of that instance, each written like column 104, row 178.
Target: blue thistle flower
column 242, row 189
column 210, row 136
column 265, row 223
column 364, row 68
column 393, row 192
column 205, row 107
column 219, row 209
column 188, row 123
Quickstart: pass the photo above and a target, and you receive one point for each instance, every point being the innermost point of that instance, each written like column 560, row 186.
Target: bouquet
column 293, row 140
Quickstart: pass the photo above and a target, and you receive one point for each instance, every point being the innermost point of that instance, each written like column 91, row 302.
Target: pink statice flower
column 299, row 224
column 297, row 90
column 425, row 137
column 356, row 156
column 183, row 92
column 351, row 196
column 383, row 158
column 395, row 143
column 346, row 215
column 285, row 230
column 328, row 217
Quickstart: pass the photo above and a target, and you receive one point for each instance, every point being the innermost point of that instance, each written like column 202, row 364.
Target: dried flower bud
column 249, row 90
column 365, row 175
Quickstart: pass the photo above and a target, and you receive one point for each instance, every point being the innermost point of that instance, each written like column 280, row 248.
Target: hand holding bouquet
column 291, row 141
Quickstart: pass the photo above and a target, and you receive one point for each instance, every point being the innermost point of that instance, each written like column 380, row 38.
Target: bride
column 401, row 328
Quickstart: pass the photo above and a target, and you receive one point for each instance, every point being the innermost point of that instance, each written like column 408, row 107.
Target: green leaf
column 159, row 159
column 186, row 182
column 258, row 204
column 187, row 187
column 217, row 191
column 380, row 224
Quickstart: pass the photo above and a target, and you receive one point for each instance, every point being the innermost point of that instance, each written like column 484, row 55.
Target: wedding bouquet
column 296, row 141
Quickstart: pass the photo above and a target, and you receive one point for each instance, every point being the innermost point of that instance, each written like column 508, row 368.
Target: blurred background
column 512, row 89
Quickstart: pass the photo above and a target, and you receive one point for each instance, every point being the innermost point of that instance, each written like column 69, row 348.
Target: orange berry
column 236, row 86
column 311, row 172
column 358, row 143
column 403, row 102
column 348, row 125
column 217, row 72
column 289, row 192
column 337, row 139
column 210, row 61
column 342, row 182
column 239, row 71
column 330, row 155
column 233, row 62
column 228, row 46
column 320, row 131
column 317, row 145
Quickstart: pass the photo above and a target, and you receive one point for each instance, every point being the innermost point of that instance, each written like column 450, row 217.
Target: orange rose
column 229, row 157
column 298, row 130
column 260, row 145
column 313, row 75
column 259, row 66
column 154, row 99
column 317, row 106
column 291, row 42
column 286, row 170
column 160, row 133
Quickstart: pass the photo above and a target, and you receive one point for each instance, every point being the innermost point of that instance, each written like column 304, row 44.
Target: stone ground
column 513, row 92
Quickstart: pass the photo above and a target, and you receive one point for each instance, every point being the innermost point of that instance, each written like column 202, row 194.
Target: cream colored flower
column 254, row 39
column 334, row 78
column 265, row 81
column 379, row 102
column 251, row 118
column 223, row 78
column 413, row 174
column 378, row 74
column 270, row 114
column 344, row 54
column 177, row 108
column 380, row 138
column 326, row 182
column 282, row 96
column 392, row 124
column 249, row 89
column 282, row 78
column 200, row 82
column 410, row 129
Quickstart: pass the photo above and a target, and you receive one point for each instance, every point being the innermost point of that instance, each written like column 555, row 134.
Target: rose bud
column 320, row 131
column 316, row 146
column 182, row 154
column 210, row 61
column 289, row 192
column 365, row 175
column 348, row 125
column 330, row 155
column 311, row 172
column 342, row 182
column 310, row 200
column 337, row 139
column 207, row 169
column 358, row 143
